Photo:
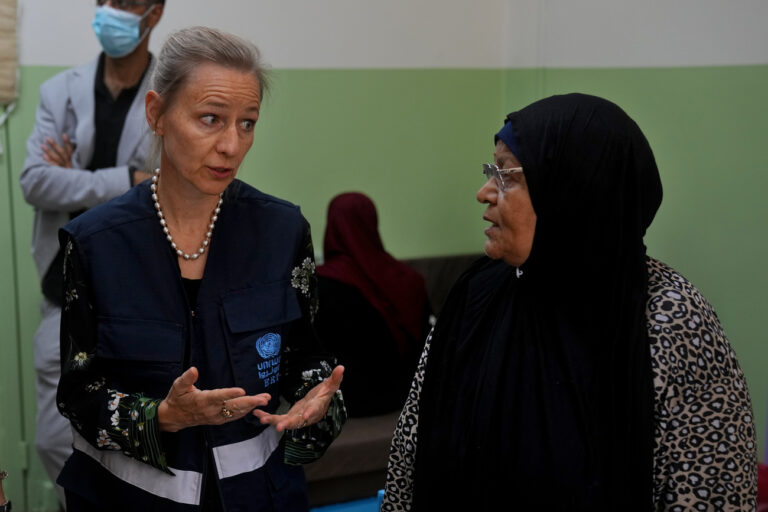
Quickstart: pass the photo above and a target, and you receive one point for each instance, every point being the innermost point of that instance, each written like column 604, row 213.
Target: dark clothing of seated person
column 374, row 313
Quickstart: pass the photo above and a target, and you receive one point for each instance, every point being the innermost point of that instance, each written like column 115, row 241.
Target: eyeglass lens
column 490, row 171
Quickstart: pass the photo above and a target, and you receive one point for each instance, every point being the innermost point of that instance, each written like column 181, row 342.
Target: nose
column 488, row 193
column 228, row 141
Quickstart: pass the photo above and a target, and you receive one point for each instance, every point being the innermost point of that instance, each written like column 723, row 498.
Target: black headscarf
column 538, row 389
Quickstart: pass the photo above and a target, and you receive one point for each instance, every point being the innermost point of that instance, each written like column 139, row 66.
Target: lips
column 221, row 172
column 490, row 228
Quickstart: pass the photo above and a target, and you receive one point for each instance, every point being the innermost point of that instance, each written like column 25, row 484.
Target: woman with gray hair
column 187, row 313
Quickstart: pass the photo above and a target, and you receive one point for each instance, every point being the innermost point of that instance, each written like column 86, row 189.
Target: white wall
column 438, row 33
column 295, row 33
column 643, row 33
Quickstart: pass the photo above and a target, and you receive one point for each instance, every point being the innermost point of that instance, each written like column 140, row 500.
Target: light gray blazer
column 67, row 106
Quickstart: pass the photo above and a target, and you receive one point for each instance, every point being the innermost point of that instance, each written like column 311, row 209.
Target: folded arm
column 50, row 179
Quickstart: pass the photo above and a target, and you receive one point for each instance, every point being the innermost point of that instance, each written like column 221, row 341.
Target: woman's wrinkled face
column 208, row 128
column 510, row 212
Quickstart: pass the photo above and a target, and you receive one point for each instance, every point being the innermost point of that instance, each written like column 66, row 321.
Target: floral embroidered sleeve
column 104, row 417
column 305, row 365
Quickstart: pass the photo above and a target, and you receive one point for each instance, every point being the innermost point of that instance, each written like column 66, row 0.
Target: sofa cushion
column 440, row 272
column 362, row 447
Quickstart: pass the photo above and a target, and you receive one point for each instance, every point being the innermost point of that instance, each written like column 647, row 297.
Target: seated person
column 374, row 311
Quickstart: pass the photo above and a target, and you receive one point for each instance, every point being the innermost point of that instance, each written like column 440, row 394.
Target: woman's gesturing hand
column 187, row 406
column 308, row 410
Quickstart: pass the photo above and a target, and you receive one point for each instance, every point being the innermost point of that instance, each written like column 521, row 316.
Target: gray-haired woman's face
column 208, row 128
column 510, row 212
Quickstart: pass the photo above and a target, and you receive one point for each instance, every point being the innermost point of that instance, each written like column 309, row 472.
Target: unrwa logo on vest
column 268, row 345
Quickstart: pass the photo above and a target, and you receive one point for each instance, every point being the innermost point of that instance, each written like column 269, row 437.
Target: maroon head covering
column 354, row 255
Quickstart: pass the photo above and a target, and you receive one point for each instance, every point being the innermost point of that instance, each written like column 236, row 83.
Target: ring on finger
column 224, row 411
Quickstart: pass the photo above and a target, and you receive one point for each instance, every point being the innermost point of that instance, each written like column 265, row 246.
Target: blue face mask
column 118, row 31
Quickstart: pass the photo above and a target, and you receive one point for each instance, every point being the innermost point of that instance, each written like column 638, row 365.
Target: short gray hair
column 187, row 48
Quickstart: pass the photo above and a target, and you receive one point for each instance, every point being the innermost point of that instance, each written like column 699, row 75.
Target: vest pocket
column 141, row 351
column 255, row 325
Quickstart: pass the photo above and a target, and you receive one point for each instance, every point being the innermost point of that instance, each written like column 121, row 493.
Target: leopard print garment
column 705, row 454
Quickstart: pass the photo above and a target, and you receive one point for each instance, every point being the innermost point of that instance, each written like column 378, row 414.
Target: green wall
column 413, row 140
column 13, row 452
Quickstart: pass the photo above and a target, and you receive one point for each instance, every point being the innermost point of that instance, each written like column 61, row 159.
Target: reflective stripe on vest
column 245, row 456
column 185, row 487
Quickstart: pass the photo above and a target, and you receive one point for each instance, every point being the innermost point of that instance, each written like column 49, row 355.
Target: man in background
column 90, row 143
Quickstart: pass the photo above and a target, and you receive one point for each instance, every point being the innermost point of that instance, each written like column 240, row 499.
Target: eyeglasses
column 501, row 176
column 125, row 4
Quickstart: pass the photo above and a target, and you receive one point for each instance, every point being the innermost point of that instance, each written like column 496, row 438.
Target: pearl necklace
column 164, row 224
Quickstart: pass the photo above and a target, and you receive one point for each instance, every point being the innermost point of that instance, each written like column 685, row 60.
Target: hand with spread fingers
column 60, row 155
column 188, row 406
column 308, row 410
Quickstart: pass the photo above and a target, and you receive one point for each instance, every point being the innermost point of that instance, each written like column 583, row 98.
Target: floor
column 365, row 505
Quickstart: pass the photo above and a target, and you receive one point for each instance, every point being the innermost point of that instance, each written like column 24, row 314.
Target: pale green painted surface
column 12, row 451
column 39, row 495
column 413, row 140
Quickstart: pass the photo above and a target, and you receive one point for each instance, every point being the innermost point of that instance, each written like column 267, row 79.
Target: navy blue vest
column 148, row 335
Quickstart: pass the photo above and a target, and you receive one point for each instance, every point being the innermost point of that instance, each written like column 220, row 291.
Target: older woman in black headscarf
column 569, row 370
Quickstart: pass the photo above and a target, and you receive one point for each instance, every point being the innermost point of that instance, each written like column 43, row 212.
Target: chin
column 215, row 188
column 496, row 253
column 491, row 250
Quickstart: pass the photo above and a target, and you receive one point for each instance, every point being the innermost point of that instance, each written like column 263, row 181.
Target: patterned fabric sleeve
column 107, row 418
column 305, row 365
column 705, row 453
column 398, row 495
